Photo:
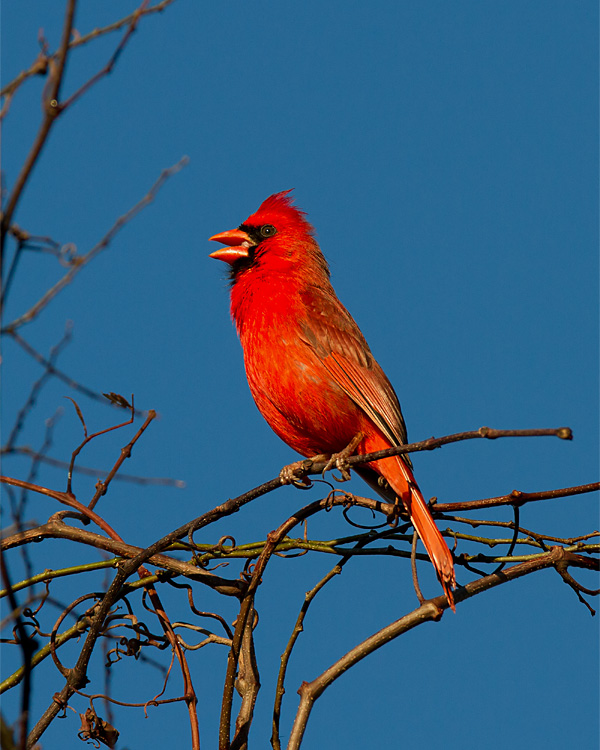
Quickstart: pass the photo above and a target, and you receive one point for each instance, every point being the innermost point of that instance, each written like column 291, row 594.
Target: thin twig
column 413, row 566
column 488, row 433
column 515, row 497
column 106, row 70
column 49, row 365
column 40, row 66
column 83, row 260
column 24, row 450
column 36, row 388
column 102, row 487
column 88, row 438
column 51, row 112
column 49, row 575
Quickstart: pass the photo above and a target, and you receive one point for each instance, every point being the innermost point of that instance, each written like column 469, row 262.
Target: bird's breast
column 292, row 388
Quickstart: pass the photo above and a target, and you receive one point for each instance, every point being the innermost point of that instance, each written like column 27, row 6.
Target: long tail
column 402, row 482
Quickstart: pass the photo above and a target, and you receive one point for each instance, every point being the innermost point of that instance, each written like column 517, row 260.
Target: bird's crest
column 282, row 201
column 280, row 206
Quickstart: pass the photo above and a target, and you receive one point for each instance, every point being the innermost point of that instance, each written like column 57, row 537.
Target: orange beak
column 238, row 244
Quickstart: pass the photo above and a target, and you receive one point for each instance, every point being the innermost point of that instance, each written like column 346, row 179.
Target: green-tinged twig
column 49, row 575
column 73, row 632
column 57, row 529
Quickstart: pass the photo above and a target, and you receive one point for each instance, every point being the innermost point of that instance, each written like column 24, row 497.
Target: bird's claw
column 340, row 460
column 294, row 474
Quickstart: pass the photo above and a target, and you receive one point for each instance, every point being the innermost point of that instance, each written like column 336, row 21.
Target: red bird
column 310, row 370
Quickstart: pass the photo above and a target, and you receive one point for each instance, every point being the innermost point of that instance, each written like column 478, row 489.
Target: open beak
column 238, row 244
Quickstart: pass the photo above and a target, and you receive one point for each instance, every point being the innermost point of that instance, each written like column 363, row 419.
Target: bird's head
column 277, row 237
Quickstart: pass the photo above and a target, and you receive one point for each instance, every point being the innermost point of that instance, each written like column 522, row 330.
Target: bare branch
column 40, row 65
column 516, row 497
column 135, row 17
column 36, row 388
column 51, row 112
column 317, row 467
column 80, row 261
column 245, row 618
column 102, row 487
column 50, row 367
column 431, row 610
column 89, row 471
column 55, row 529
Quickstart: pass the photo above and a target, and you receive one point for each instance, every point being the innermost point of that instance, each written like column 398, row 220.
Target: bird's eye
column 268, row 230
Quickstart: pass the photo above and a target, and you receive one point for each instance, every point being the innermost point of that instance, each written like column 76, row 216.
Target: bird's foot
column 340, row 460
column 295, row 474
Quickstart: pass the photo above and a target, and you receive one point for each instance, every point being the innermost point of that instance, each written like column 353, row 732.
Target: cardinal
column 309, row 368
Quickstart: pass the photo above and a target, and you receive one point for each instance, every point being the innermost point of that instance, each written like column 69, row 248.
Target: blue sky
column 447, row 155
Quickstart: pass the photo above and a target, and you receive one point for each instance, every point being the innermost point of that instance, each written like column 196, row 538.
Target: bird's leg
column 294, row 473
column 339, row 460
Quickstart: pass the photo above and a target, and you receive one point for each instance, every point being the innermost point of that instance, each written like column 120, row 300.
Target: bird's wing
column 332, row 333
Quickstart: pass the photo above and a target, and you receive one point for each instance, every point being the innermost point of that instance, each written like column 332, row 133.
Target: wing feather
column 332, row 333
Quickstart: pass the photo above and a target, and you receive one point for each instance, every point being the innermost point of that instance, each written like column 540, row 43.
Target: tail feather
column 402, row 482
